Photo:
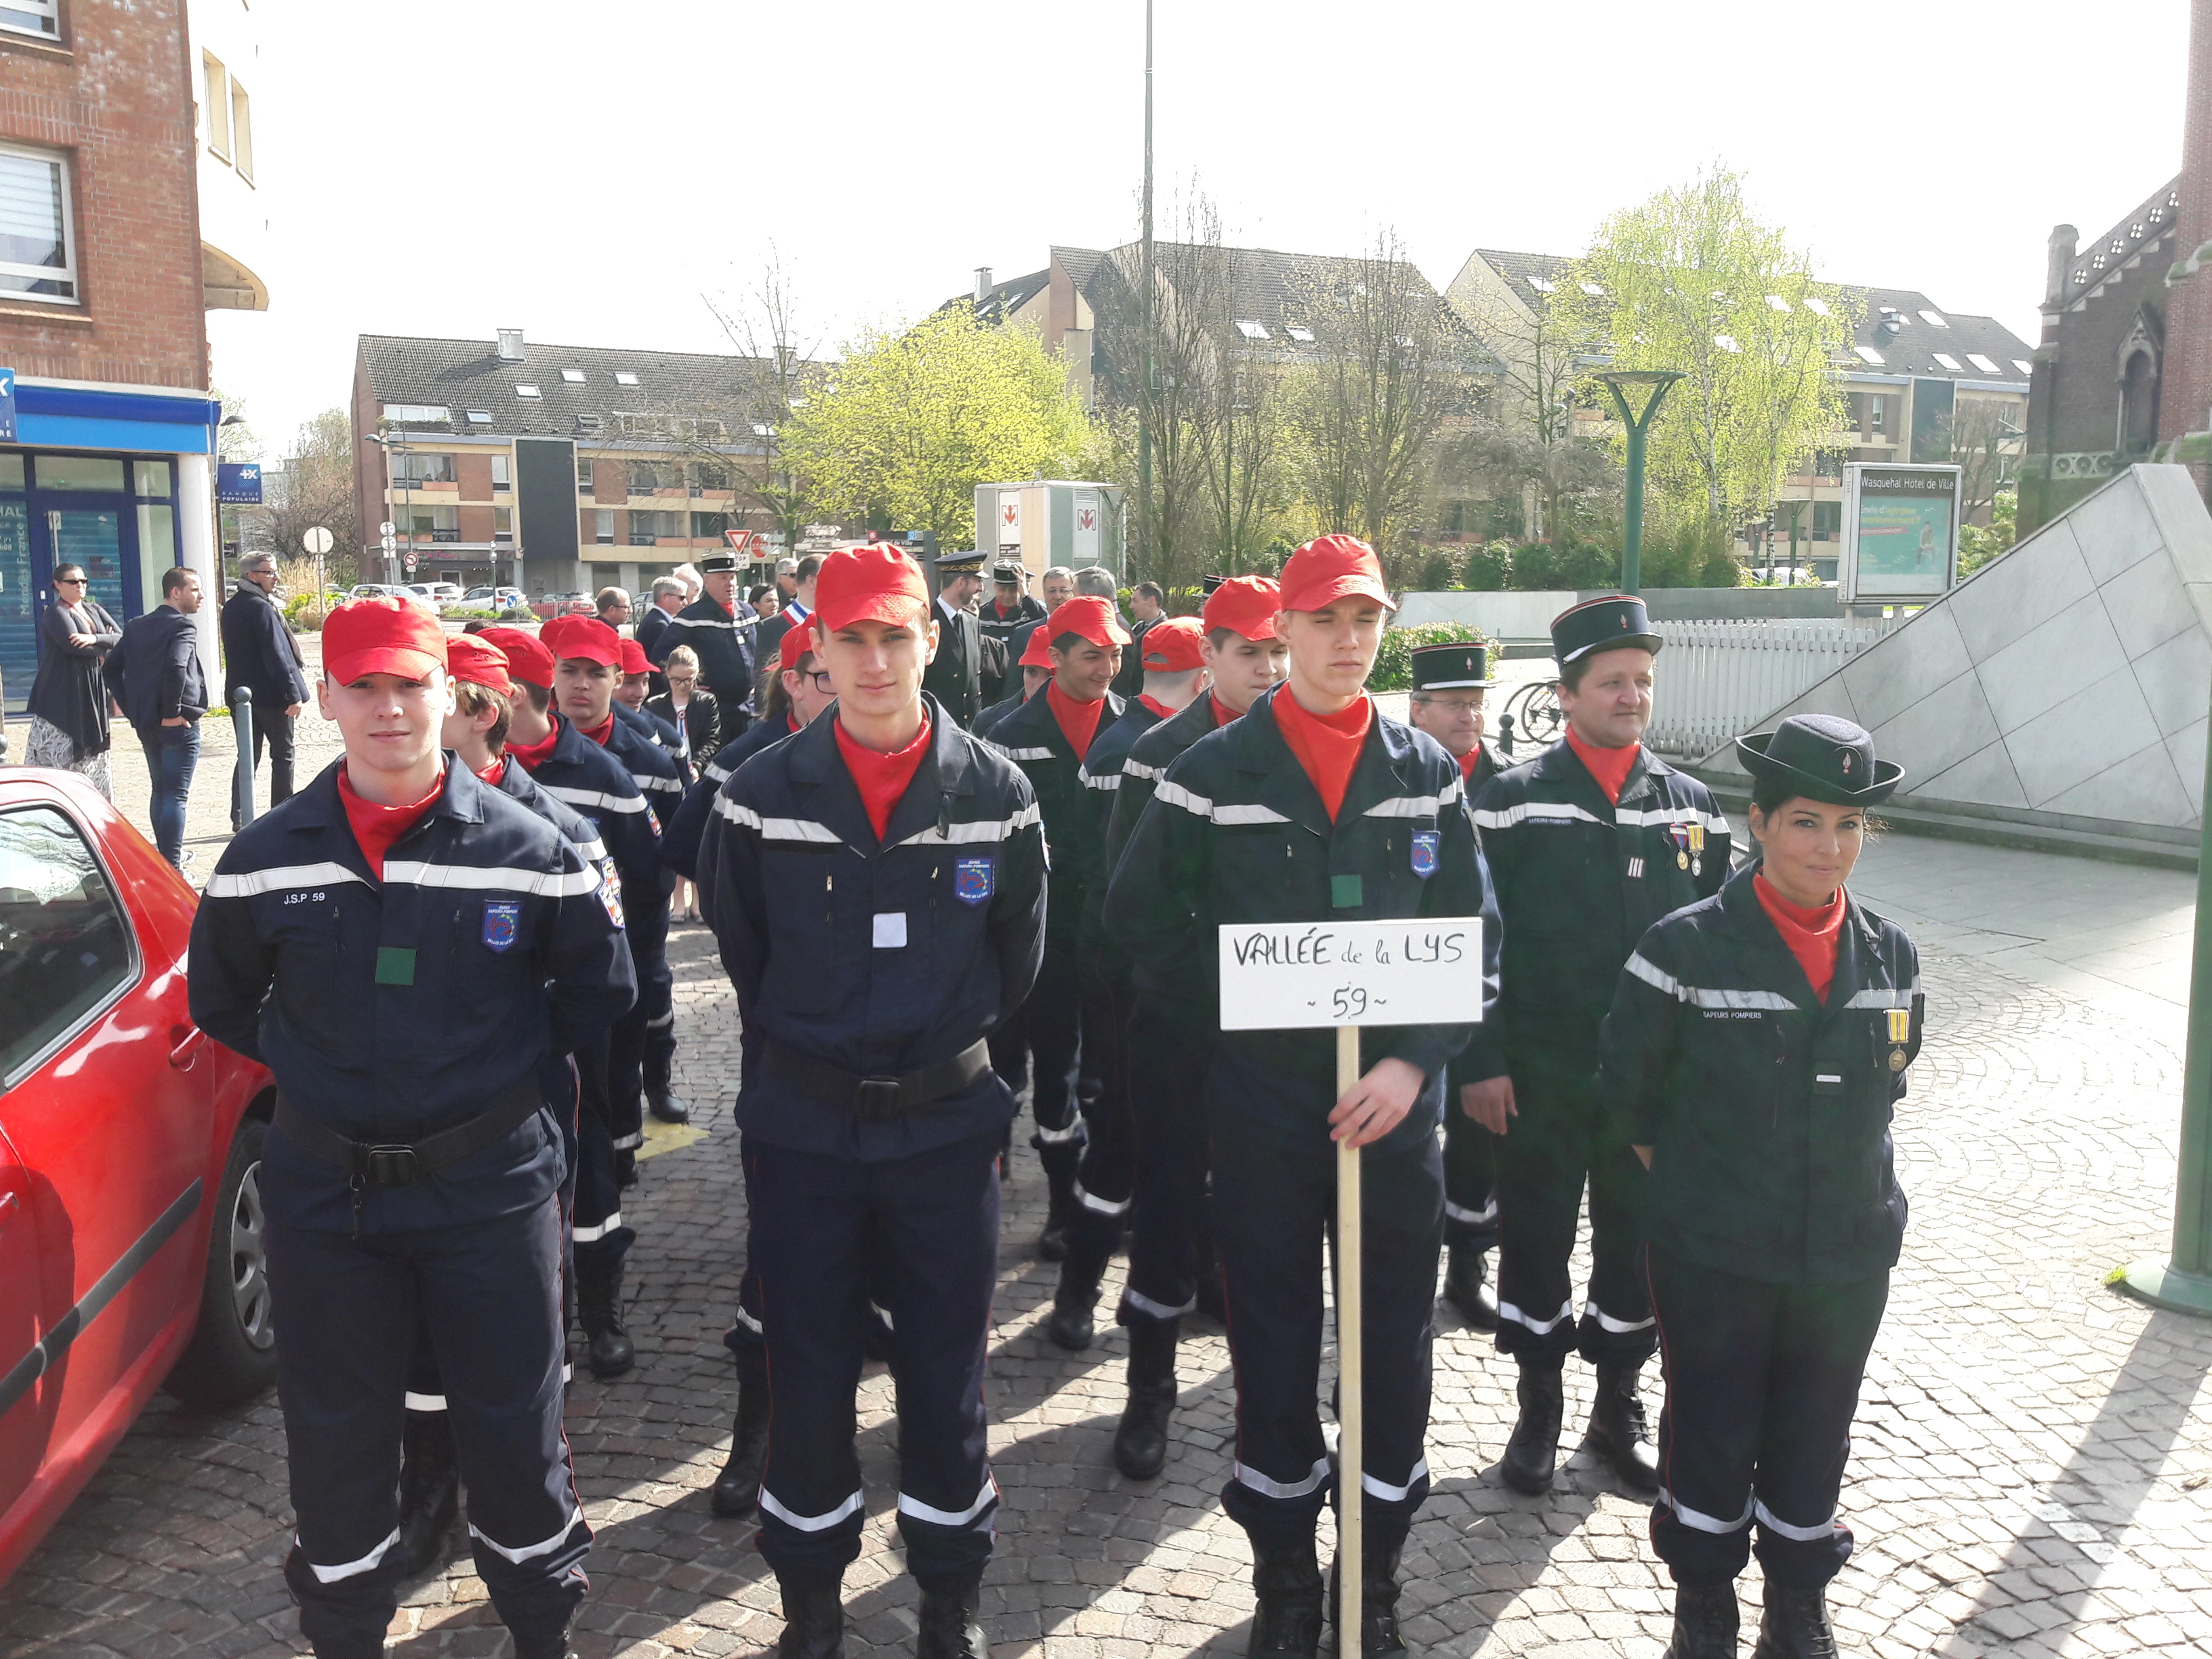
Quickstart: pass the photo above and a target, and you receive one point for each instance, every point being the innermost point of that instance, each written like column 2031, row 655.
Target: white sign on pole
column 316, row 541
column 386, row 528
column 1010, row 520
column 1291, row 976
column 1086, row 527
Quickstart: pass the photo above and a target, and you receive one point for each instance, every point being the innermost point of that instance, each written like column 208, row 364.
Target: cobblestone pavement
column 2031, row 1475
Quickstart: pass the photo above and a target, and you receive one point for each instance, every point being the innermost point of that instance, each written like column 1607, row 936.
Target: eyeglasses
column 821, row 678
column 70, row 581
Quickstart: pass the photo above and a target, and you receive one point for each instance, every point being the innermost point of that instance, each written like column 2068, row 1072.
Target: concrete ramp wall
column 2068, row 679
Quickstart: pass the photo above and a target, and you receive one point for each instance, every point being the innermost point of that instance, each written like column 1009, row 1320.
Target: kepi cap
column 472, row 658
column 875, row 583
column 382, row 636
column 1171, row 645
column 1245, row 604
column 1091, row 615
column 1009, row 571
column 1611, row 622
column 526, row 659
column 1823, row 756
column 725, row 563
column 1332, row 568
column 586, row 638
column 961, row 564
column 1451, row 666
column 1208, row 583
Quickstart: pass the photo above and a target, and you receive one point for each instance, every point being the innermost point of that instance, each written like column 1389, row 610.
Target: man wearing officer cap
column 721, row 638
column 405, row 947
column 1590, row 842
column 1171, row 1033
column 1316, row 807
column 1010, row 607
column 1449, row 681
column 876, row 883
column 955, row 675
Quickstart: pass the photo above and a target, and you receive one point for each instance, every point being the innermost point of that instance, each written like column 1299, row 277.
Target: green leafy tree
column 1690, row 280
column 910, row 422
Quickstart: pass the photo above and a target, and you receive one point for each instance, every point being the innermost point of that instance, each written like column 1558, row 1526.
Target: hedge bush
column 1394, row 663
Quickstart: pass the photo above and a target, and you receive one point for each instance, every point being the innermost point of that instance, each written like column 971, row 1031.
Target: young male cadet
column 1107, row 1172
column 800, row 698
column 1171, row 1033
column 574, row 771
column 954, row 676
column 1316, row 807
column 1048, row 738
column 877, row 891
column 1449, row 682
column 721, row 638
column 1590, row 843
column 403, row 947
column 642, row 1049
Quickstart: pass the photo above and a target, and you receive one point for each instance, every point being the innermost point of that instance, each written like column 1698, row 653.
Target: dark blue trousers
column 1107, row 1173
column 1054, row 1016
column 1167, row 1050
column 1273, row 1205
column 1470, row 1179
column 1762, row 1383
column 600, row 1234
column 347, row 1310
column 930, row 1224
column 649, row 1026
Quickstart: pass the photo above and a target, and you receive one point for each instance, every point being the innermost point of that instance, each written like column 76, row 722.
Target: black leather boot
column 369, row 1647
column 736, row 1491
column 544, row 1647
column 598, row 1303
column 1076, row 1301
column 1286, row 1618
column 1794, row 1624
column 949, row 1627
column 430, row 1492
column 1378, row 1607
column 1060, row 1180
column 667, row 1106
column 814, row 1621
column 1532, row 1454
column 1704, row 1621
column 1141, row 1444
column 1617, row 1428
column 1467, row 1287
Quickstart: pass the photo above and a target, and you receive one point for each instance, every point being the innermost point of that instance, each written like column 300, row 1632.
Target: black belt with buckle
column 878, row 1099
column 370, row 1163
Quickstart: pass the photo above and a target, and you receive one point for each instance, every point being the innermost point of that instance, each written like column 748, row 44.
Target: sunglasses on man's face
column 69, row 581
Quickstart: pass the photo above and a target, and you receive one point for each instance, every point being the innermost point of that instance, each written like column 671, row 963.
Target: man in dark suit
column 1147, row 605
column 954, row 675
column 259, row 654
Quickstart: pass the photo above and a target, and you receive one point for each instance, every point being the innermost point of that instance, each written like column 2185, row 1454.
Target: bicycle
column 1532, row 713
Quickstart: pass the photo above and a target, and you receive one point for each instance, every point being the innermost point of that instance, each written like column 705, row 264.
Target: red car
column 130, row 1236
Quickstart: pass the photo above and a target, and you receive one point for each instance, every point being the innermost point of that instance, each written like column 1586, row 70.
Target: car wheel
column 233, row 1355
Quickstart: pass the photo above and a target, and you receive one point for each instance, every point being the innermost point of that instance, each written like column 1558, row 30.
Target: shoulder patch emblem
column 973, row 881
column 502, row 924
column 1425, row 845
column 611, row 894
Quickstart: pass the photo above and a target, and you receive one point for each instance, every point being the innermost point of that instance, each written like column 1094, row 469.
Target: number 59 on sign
column 1291, row 975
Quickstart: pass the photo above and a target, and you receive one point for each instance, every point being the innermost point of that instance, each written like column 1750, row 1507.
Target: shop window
column 103, row 472
column 152, row 479
column 38, row 251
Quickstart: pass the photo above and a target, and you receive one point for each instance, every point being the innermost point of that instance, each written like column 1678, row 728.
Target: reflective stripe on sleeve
column 425, row 1402
column 974, row 830
column 1417, row 806
column 1561, row 811
column 1199, row 806
column 666, row 786
column 1137, row 768
column 1885, row 998
column 1021, row 754
column 546, row 883
column 595, row 797
column 246, row 884
column 1104, row 780
column 803, row 830
column 1702, row 996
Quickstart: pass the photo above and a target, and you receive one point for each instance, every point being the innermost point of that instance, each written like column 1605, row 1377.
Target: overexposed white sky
column 584, row 172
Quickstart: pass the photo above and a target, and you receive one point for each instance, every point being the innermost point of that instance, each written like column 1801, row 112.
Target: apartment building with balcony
column 556, row 469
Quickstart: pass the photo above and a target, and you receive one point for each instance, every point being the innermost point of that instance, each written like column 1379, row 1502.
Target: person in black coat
column 154, row 673
column 723, row 641
column 697, row 716
column 68, row 698
column 259, row 654
column 955, row 674
column 1756, row 1051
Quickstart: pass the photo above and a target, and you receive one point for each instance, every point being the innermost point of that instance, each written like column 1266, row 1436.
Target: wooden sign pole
column 1351, row 1405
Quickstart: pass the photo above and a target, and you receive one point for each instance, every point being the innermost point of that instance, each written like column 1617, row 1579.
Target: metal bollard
column 241, row 727
column 1505, row 735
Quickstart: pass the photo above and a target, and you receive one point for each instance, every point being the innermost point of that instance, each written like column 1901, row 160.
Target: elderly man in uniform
column 1059, row 586
column 405, row 947
column 877, row 886
column 1010, row 605
column 1316, row 807
column 1590, row 842
column 1449, row 682
column 955, row 675
column 722, row 639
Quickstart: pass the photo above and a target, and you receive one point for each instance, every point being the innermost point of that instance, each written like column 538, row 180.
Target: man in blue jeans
column 155, row 674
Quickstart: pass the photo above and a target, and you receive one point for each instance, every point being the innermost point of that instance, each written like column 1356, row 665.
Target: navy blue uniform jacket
column 679, row 848
column 1101, row 774
column 1768, row 1110
column 1074, row 814
column 392, row 1010
column 599, row 786
column 637, row 742
column 1235, row 832
column 725, row 646
column 801, row 896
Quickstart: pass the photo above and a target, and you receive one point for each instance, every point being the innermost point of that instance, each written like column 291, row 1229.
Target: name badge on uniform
column 890, row 930
column 502, row 925
column 973, row 881
column 1426, row 843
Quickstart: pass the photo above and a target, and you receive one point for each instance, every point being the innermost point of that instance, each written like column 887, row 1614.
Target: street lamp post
column 1652, row 384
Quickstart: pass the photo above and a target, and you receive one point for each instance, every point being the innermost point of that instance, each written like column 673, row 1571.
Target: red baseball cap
column 1171, row 645
column 527, row 659
column 1038, row 654
column 1332, row 568
column 585, row 637
column 876, row 583
column 382, row 636
column 472, row 658
column 1246, row 605
column 797, row 641
column 1091, row 615
column 634, row 660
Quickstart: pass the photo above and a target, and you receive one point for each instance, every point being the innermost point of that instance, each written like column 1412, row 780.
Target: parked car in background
column 492, row 598
column 130, row 1224
column 549, row 605
column 371, row 590
column 439, row 595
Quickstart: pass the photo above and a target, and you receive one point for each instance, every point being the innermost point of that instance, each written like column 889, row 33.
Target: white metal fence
column 1717, row 678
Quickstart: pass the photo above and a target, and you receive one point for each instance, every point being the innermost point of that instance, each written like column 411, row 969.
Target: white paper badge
column 890, row 930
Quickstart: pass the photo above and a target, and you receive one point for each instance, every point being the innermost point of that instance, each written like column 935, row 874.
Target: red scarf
column 535, row 755
column 1223, row 713
column 374, row 827
column 882, row 778
column 1610, row 767
column 1156, row 706
column 1078, row 720
column 495, row 774
column 600, row 734
column 1813, row 935
column 1326, row 745
column 1473, row 758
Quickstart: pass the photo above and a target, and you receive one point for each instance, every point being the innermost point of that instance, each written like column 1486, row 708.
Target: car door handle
column 188, row 1039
